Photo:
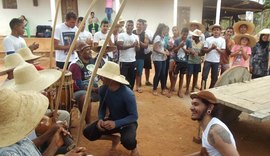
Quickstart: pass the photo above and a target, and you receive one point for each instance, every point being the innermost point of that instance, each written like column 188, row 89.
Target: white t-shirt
column 84, row 36
column 210, row 149
column 12, row 43
column 213, row 55
column 128, row 55
column 150, row 37
column 65, row 35
column 156, row 56
column 100, row 36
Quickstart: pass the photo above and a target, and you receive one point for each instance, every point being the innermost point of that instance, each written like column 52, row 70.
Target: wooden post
column 90, row 85
column 53, row 30
column 72, row 46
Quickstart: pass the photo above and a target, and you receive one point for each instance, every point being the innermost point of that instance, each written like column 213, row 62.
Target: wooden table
column 252, row 97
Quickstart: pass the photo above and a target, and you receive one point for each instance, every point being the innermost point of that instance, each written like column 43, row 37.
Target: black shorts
column 181, row 67
column 147, row 61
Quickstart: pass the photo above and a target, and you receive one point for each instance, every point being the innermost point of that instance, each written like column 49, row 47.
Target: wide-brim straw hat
column 100, row 44
column 265, row 31
column 111, row 71
column 201, row 26
column 27, row 77
column 27, row 54
column 252, row 39
column 20, row 113
column 215, row 26
column 206, row 95
column 196, row 33
column 250, row 27
column 11, row 61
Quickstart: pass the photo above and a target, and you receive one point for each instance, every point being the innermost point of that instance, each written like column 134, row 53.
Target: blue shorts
column 194, row 68
column 139, row 66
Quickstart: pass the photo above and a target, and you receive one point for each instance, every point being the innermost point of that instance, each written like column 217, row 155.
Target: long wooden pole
column 53, row 30
column 91, row 82
column 72, row 46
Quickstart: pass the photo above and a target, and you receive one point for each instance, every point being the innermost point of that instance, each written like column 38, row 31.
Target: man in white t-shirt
column 102, row 34
column 213, row 47
column 217, row 139
column 14, row 41
column 127, row 42
column 84, row 36
column 63, row 37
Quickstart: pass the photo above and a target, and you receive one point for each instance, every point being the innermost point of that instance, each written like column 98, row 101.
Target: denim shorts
column 139, row 66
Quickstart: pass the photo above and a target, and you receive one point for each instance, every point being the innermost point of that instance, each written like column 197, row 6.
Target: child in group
column 241, row 51
column 182, row 46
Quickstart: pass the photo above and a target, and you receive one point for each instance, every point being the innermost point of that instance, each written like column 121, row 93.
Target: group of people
column 128, row 52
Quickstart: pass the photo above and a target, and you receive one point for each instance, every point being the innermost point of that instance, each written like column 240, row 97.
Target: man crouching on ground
column 117, row 110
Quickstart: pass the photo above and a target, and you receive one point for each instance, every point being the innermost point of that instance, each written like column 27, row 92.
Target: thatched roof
column 230, row 8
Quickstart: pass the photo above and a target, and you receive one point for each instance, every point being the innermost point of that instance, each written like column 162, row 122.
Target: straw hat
column 80, row 45
column 252, row 39
column 111, row 71
column 100, row 44
column 27, row 54
column 206, row 95
column 201, row 26
column 121, row 19
column 250, row 27
column 26, row 77
column 215, row 26
column 265, row 31
column 196, row 33
column 20, row 113
column 11, row 61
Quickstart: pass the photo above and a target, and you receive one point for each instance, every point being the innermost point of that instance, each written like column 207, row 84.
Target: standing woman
column 172, row 64
column 159, row 57
column 260, row 55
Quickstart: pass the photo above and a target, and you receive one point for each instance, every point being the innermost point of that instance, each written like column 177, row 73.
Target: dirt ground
column 165, row 129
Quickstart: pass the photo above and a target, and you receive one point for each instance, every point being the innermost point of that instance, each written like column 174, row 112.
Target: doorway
column 67, row 6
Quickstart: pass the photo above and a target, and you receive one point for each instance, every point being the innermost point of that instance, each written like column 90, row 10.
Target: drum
column 67, row 92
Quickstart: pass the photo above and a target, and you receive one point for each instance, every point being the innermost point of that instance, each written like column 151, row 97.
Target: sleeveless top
column 140, row 54
column 210, row 149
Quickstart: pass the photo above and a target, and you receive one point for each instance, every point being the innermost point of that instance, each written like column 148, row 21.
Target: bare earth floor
column 165, row 129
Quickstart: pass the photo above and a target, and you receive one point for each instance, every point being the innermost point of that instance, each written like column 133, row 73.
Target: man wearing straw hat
column 81, row 75
column 14, row 41
column 217, row 139
column 16, row 124
column 193, row 25
column 243, row 27
column 63, row 37
column 116, row 114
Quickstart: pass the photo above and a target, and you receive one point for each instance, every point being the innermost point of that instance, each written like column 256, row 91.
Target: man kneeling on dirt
column 117, row 110
column 217, row 139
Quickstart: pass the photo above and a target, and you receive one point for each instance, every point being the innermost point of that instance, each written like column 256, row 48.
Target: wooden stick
column 72, row 46
column 53, row 30
column 91, row 82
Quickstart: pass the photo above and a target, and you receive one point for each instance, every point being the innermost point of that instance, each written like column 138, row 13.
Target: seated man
column 16, row 124
column 116, row 114
column 81, row 75
column 217, row 139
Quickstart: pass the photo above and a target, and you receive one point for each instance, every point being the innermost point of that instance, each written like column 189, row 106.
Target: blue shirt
column 24, row 147
column 121, row 104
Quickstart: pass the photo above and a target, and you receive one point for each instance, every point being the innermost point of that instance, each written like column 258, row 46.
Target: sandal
column 155, row 93
column 139, row 90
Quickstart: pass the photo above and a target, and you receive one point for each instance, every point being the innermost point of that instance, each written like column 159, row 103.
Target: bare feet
column 135, row 152
column 139, row 90
column 164, row 92
column 187, row 92
column 180, row 94
column 169, row 94
column 155, row 92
